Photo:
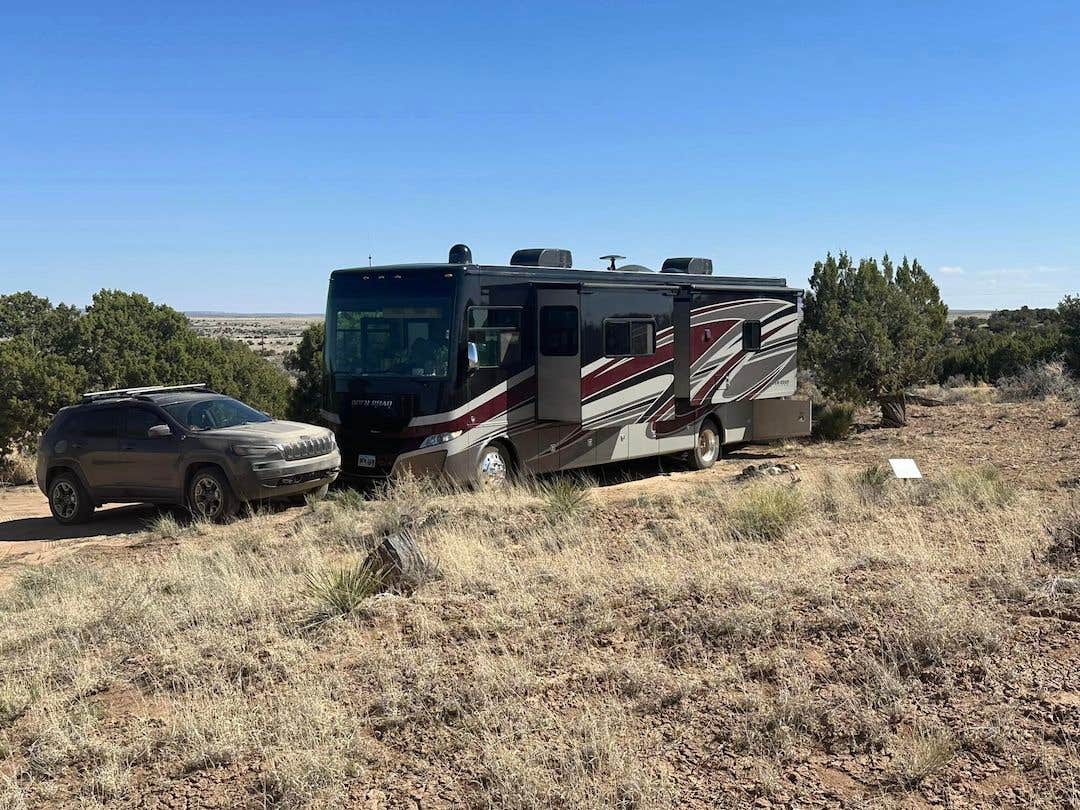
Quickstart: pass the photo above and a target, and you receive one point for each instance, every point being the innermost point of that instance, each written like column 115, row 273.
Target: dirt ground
column 755, row 680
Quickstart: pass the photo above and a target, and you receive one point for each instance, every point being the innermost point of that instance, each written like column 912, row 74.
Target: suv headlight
column 440, row 438
column 258, row 450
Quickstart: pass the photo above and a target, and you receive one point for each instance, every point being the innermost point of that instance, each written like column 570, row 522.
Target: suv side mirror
column 473, row 355
column 159, row 432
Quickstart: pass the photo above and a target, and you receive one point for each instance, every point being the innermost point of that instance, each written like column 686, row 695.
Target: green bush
column 50, row 355
column 306, row 362
column 833, row 422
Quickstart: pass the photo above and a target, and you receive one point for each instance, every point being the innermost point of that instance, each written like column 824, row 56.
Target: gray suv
column 177, row 445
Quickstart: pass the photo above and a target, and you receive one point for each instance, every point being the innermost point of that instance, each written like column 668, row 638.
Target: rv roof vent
column 699, row 267
column 635, row 268
column 460, row 254
column 541, row 257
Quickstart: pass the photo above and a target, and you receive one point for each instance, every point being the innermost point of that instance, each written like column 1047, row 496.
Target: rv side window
column 629, row 337
column 559, row 331
column 496, row 331
column 751, row 336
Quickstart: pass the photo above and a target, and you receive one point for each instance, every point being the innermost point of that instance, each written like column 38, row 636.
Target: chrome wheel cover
column 207, row 497
column 492, row 468
column 65, row 499
column 708, row 444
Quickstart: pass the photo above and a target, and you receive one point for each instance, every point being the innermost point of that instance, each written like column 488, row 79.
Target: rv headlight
column 257, row 450
column 440, row 438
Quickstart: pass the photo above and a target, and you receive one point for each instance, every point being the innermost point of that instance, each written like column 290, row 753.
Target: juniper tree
column 872, row 330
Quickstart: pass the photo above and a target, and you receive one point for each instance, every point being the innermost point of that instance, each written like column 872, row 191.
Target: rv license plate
column 365, row 461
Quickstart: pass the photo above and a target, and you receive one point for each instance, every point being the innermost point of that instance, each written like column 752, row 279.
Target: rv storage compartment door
column 780, row 419
column 558, row 355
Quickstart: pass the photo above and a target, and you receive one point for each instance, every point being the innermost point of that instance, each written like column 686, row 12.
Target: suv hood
column 275, row 432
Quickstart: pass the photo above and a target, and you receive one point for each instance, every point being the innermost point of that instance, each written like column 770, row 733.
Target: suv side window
column 99, row 423
column 137, row 421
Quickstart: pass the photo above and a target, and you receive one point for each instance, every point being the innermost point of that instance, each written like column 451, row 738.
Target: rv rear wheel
column 707, row 447
column 493, row 470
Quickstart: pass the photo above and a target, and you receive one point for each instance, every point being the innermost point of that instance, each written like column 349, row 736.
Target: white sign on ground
column 905, row 468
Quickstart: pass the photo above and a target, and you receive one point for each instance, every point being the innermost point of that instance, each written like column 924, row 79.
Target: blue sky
column 227, row 156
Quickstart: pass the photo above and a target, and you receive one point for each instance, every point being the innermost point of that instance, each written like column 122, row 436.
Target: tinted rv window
column 629, row 337
column 389, row 324
column 559, row 331
column 751, row 336
column 496, row 331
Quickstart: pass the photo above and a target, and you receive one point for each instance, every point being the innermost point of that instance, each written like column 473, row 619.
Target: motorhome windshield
column 390, row 325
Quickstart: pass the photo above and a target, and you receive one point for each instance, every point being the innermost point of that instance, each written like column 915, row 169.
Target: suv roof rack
column 115, row 393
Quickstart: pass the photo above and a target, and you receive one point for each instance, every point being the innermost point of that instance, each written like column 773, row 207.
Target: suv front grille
column 308, row 448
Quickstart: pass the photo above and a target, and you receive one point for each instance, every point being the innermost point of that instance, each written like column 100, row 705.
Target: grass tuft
column 566, row 498
column 766, row 512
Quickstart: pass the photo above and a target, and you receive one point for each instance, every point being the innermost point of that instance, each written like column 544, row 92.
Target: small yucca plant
column 565, row 498
column 340, row 591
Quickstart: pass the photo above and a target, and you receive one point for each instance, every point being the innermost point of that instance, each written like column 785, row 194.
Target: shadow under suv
column 182, row 445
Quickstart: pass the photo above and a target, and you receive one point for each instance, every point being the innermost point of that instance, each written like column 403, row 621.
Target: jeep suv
column 177, row 445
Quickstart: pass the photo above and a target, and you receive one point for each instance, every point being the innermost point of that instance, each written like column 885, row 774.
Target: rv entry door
column 558, row 355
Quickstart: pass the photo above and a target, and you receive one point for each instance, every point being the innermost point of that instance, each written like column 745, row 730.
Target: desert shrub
column 833, row 421
column 922, row 755
column 16, row 469
column 1064, row 531
column 1038, row 383
column 766, row 512
column 872, row 482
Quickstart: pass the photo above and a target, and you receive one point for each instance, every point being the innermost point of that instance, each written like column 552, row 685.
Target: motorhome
column 476, row 372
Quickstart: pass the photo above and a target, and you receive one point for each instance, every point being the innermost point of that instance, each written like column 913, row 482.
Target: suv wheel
column 68, row 501
column 210, row 497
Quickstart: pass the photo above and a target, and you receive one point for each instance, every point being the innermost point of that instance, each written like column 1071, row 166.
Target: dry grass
column 17, row 470
column 578, row 651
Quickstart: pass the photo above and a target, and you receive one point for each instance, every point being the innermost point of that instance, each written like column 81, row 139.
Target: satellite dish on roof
column 612, row 257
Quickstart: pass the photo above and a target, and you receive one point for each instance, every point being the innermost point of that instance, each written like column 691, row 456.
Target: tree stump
column 399, row 563
column 893, row 411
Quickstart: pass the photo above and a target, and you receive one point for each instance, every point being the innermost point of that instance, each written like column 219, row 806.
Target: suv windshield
column 211, row 414
column 390, row 324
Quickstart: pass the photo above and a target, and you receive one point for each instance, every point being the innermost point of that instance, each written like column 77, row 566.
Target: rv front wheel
column 707, row 447
column 494, row 467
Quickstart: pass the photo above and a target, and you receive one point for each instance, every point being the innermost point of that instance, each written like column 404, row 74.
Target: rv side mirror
column 159, row 432
column 473, row 355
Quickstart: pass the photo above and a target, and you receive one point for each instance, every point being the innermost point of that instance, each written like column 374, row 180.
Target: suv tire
column 707, row 446
column 68, row 500
column 210, row 497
